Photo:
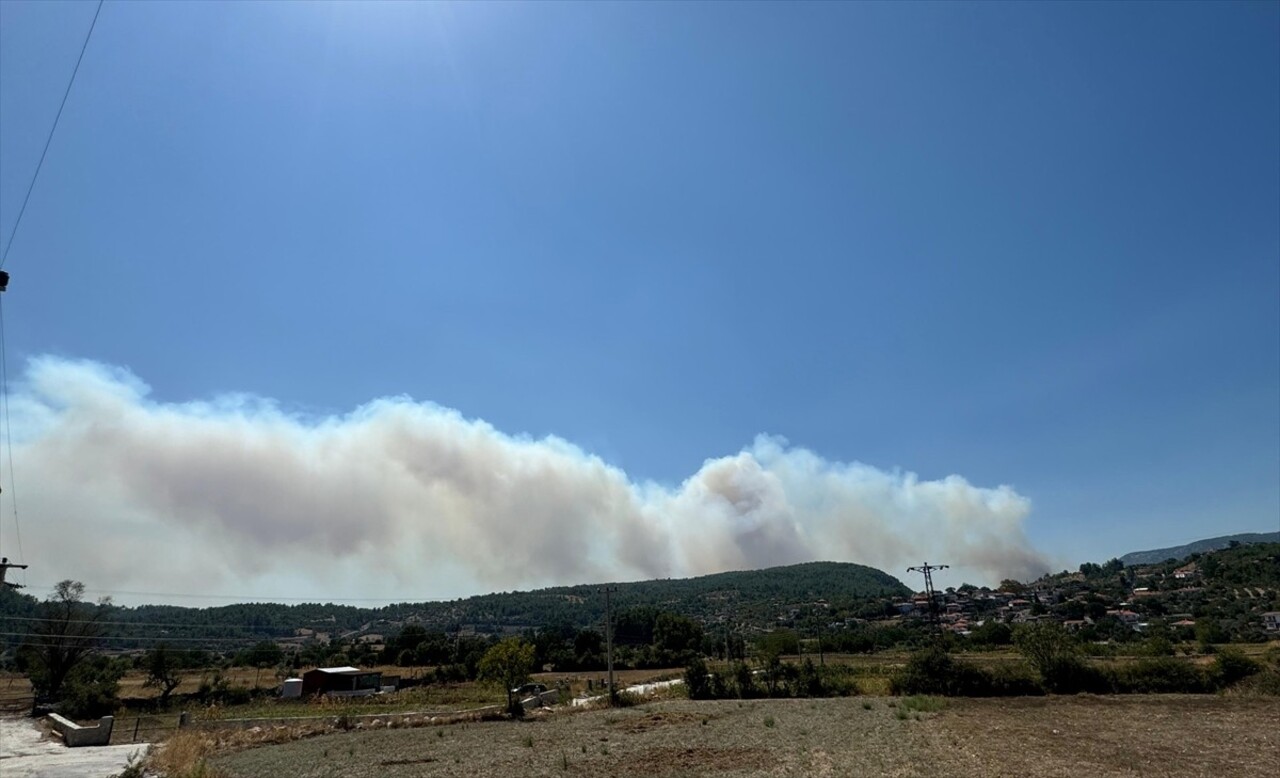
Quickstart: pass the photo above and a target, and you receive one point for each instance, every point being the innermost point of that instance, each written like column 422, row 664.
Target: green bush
column 743, row 681
column 1013, row 680
column 1074, row 675
column 91, row 690
column 923, row 704
column 808, row 681
column 1162, row 675
column 1266, row 682
column 697, row 682
column 934, row 671
column 839, row 681
column 1230, row 667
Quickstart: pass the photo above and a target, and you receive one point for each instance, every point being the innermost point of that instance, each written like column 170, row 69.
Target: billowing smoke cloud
column 409, row 500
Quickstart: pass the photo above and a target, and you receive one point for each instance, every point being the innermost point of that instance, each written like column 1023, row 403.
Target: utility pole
column 928, row 571
column 608, row 639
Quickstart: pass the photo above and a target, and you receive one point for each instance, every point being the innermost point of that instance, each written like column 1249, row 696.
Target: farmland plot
column 1166, row 736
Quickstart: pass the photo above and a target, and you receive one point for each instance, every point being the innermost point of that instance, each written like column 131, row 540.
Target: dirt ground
column 1172, row 736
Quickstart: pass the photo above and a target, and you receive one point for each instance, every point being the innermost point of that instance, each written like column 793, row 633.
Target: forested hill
column 747, row 596
column 743, row 595
column 1158, row 555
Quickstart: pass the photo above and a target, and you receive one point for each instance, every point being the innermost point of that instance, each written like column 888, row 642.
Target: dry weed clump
column 184, row 755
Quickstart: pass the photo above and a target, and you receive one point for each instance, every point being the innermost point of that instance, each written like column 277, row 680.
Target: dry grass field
column 1169, row 735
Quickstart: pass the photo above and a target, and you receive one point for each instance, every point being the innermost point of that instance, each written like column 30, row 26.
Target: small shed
column 341, row 681
column 291, row 689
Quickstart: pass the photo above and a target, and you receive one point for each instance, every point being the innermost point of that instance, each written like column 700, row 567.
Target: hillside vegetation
column 742, row 596
column 1158, row 555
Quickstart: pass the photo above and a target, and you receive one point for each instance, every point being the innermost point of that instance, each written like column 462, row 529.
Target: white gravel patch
column 25, row 752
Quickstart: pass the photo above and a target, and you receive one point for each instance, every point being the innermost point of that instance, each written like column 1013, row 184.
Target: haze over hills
column 1197, row 547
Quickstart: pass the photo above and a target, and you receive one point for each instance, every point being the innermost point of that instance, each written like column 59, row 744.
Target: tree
column 65, row 636
column 92, row 687
column 264, row 654
column 677, row 637
column 162, row 671
column 1055, row 654
column 508, row 663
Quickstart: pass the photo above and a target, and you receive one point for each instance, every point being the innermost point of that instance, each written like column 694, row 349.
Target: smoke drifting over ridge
column 409, row 500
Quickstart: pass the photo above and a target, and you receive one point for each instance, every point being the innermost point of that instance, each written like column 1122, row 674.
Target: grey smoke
column 409, row 500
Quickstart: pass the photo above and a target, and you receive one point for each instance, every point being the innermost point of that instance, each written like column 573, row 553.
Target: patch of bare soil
column 691, row 760
column 1106, row 737
column 1167, row 735
column 665, row 718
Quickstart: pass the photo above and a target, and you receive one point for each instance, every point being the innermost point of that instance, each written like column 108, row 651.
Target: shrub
column 808, row 681
column 627, row 700
column 744, row 681
column 1075, row 675
column 1160, row 676
column 1266, row 683
column 91, row 689
column 1055, row 654
column 839, row 681
column 697, row 682
column 1013, row 680
column 719, row 687
column 1231, row 667
column 924, row 704
column 934, row 671
column 133, row 767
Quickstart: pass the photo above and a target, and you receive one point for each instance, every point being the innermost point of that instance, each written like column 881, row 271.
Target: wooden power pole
column 608, row 639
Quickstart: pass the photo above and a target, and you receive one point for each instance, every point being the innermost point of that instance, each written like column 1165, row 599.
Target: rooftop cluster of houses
column 962, row 610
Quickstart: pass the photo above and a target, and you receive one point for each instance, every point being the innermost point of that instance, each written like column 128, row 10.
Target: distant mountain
column 1198, row 547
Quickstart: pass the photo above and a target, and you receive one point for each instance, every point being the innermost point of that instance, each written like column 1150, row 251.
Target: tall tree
column 162, row 671
column 68, row 632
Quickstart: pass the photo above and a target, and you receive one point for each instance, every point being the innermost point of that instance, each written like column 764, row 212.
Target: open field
column 1059, row 736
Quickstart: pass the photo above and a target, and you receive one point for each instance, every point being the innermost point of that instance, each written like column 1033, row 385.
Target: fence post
column 136, row 723
column 182, row 719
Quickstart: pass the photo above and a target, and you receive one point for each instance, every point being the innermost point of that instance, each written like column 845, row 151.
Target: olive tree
column 508, row 663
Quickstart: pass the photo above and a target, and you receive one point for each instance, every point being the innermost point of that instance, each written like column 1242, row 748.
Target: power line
column 248, row 599
column 8, row 434
column 140, row 623
column 241, row 639
column 137, row 638
column 49, row 140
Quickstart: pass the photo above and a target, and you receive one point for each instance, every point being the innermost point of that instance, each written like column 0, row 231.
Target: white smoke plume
column 408, row 501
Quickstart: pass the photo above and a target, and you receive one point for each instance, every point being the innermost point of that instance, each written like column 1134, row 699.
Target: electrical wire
column 242, row 641
column 5, row 256
column 248, row 599
column 8, row 436
column 141, row 623
column 151, row 639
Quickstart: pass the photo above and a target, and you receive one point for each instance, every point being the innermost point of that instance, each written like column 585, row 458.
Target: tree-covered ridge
column 741, row 595
column 1158, row 555
column 752, row 596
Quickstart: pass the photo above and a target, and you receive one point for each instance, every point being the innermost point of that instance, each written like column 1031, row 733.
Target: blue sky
column 1034, row 245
